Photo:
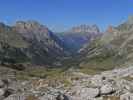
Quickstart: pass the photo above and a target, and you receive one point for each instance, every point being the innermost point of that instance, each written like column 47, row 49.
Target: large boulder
column 16, row 97
column 22, row 97
column 2, row 92
column 85, row 93
column 97, row 80
column 107, row 89
column 48, row 97
column 126, row 96
column 2, row 84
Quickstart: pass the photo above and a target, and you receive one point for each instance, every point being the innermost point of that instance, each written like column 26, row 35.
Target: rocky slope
column 12, row 45
column 29, row 40
column 109, row 85
column 45, row 45
column 114, row 46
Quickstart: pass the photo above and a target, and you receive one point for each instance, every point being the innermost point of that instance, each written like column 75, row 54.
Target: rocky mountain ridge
column 85, row 29
column 115, row 45
column 77, row 36
column 34, row 40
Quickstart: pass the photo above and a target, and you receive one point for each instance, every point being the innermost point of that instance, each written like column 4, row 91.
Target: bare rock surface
column 117, row 83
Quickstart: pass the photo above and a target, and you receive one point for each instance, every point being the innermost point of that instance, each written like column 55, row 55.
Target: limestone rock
column 88, row 92
column 1, row 84
column 126, row 96
column 2, row 92
column 48, row 97
column 16, row 97
column 107, row 89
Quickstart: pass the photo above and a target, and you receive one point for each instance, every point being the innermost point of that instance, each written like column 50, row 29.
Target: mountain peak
column 85, row 28
column 28, row 24
column 110, row 29
column 130, row 20
column 30, row 29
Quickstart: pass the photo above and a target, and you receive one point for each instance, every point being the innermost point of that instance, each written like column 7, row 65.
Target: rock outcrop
column 44, row 43
column 85, row 29
column 29, row 42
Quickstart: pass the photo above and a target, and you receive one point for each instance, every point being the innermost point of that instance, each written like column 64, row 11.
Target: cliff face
column 35, row 41
column 32, row 30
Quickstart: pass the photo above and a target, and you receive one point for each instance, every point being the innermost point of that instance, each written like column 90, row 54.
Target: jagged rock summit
column 77, row 36
column 85, row 29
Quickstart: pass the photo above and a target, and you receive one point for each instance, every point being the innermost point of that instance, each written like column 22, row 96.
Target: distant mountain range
column 32, row 42
column 77, row 36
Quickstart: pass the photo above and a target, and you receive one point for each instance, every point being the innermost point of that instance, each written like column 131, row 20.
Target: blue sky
column 60, row 15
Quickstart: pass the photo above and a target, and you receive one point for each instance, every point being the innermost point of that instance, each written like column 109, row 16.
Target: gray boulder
column 48, row 97
column 16, row 97
column 2, row 92
column 97, row 80
column 107, row 89
column 2, row 84
column 126, row 96
column 88, row 93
